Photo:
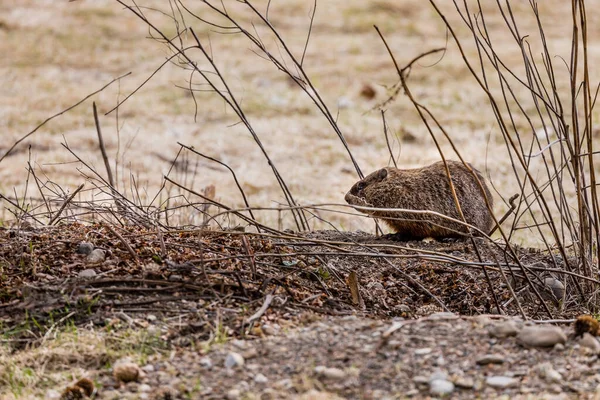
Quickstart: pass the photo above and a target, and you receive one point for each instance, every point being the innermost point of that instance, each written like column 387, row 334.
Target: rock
column 111, row 394
column 541, row 336
column 96, row 256
column 501, row 382
column 439, row 375
column 240, row 344
column 87, row 273
column 314, row 394
column 85, row 248
column 175, row 278
column 52, row 394
column 556, row 389
column 151, row 317
column 441, row 315
column 284, row 384
column 559, row 347
column 464, row 382
column 144, row 388
column 402, row 308
column 148, row 368
column 490, row 359
column 423, row 351
column 375, row 286
column 270, row 330
column 234, row 360
column 546, row 371
column 440, row 387
column 421, row 380
column 233, row 394
column 335, row 374
column 126, row 372
column 250, row 353
column 260, row 378
column 589, row 342
column 555, row 286
column 206, row 362
column 504, row 329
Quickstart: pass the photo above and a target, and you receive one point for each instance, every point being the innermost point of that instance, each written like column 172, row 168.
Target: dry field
column 57, row 52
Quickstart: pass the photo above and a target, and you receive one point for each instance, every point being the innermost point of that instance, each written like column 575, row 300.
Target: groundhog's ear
column 382, row 174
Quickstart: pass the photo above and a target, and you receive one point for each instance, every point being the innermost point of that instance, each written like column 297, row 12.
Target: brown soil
column 198, row 287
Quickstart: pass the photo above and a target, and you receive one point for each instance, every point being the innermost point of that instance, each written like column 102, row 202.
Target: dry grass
column 61, row 51
column 71, row 353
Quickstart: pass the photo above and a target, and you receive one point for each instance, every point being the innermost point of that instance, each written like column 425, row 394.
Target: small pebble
column 501, row 382
column 490, row 359
column 206, row 362
column 85, row 248
column 87, row 273
column 148, row 368
column 250, row 353
column 547, row 372
column 284, row 384
column 330, row 373
column 423, row 351
column 260, row 378
column 556, row 287
column 464, row 382
column 240, row 344
column 234, row 360
column 96, row 256
column 504, row 329
column 438, row 374
column 589, row 342
column 145, row 388
column 270, row 330
column 556, row 388
column 440, row 387
column 175, row 278
column 541, row 336
column 421, row 380
column 375, row 286
column 559, row 347
column 151, row 317
column 442, row 315
column 233, row 394
column 126, row 372
column 52, row 395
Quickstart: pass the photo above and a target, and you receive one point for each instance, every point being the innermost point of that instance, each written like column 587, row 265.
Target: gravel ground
column 443, row 355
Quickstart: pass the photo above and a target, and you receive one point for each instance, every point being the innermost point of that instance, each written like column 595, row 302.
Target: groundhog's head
column 364, row 191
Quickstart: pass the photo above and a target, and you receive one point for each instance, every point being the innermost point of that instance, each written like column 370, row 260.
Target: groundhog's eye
column 360, row 186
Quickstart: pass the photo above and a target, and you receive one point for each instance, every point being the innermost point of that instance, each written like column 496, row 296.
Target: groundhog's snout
column 348, row 197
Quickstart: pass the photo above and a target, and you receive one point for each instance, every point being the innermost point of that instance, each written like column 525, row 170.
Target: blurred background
column 57, row 52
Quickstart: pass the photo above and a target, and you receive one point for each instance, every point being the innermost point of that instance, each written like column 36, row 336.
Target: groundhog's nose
column 347, row 197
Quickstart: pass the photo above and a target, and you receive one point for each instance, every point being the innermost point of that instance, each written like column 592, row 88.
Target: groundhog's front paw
column 396, row 237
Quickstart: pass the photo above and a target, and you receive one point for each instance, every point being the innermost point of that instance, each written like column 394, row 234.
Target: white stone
column 234, row 360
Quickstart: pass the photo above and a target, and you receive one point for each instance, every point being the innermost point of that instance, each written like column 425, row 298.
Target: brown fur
column 425, row 188
column 586, row 323
column 81, row 389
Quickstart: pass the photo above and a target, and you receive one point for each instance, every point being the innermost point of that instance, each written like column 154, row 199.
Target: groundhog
column 425, row 188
